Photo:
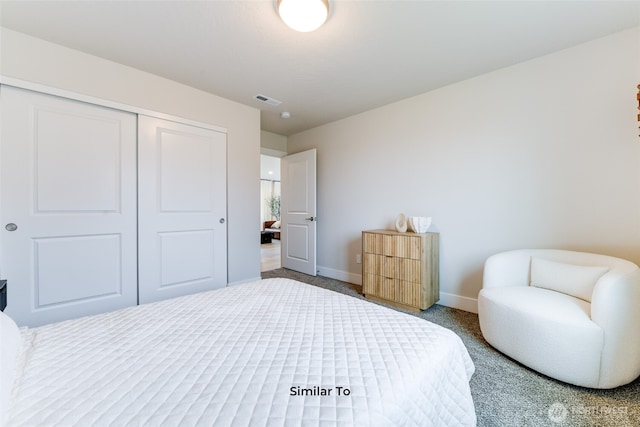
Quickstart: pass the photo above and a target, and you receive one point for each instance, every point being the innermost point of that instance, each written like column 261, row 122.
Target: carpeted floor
column 506, row 393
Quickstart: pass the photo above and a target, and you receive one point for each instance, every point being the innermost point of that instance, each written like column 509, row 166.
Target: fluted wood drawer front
column 369, row 282
column 378, row 286
column 381, row 265
column 384, row 287
column 397, row 268
column 402, row 246
column 393, row 289
column 372, row 243
column 408, row 293
column 409, row 270
column 388, row 289
column 373, row 264
column 389, row 267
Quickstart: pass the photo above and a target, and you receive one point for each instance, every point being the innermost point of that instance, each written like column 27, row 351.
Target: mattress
column 274, row 352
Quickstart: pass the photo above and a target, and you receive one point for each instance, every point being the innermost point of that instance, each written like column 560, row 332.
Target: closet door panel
column 182, row 209
column 186, row 172
column 68, row 175
column 93, row 261
column 79, row 153
column 186, row 257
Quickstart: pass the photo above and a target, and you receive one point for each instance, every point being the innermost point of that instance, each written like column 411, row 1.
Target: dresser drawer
column 395, row 268
column 392, row 245
column 402, row 291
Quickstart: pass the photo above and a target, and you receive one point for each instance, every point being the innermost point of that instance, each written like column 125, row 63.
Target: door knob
column 311, row 218
column 11, row 227
column 221, row 220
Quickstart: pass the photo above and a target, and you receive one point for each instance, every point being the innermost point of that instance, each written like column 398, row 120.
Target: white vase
column 401, row 223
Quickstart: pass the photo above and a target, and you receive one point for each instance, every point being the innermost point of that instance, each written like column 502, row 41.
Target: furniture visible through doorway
column 272, row 227
column 270, row 256
column 265, row 237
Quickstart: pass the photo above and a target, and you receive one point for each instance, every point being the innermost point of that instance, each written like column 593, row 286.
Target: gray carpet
column 506, row 393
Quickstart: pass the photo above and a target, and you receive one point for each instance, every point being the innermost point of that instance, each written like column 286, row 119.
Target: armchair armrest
column 615, row 307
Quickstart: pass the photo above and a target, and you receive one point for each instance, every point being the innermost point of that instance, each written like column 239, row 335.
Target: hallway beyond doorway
column 270, row 255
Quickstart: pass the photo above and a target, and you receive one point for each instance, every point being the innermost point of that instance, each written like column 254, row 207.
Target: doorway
column 270, row 258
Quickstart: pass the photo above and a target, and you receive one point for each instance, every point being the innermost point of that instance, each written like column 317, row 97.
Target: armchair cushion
column 548, row 331
column 570, row 279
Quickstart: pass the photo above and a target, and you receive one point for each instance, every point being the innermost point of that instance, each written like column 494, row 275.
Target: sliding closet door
column 182, row 186
column 67, row 207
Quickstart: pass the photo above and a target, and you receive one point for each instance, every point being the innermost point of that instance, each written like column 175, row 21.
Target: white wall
column 542, row 154
column 273, row 143
column 34, row 60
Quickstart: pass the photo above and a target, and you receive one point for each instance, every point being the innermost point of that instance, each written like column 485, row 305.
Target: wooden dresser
column 401, row 269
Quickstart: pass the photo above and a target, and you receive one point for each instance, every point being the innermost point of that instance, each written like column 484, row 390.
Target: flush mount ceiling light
column 303, row 15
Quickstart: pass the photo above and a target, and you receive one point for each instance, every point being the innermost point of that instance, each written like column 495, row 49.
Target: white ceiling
column 369, row 53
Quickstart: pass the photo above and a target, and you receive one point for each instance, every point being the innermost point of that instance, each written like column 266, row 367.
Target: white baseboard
column 340, row 275
column 456, row 301
column 446, row 299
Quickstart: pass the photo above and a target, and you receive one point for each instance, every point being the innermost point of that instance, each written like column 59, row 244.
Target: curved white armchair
column 573, row 316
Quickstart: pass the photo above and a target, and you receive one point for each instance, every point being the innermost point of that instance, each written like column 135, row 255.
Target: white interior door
column 67, row 207
column 182, row 186
column 298, row 212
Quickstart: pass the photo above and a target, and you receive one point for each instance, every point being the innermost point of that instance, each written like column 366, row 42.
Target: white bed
column 236, row 357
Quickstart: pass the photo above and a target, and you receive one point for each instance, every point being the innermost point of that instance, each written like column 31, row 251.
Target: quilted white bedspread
column 258, row 354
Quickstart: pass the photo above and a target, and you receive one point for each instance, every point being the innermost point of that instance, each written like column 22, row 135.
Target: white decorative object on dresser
column 418, row 224
column 401, row 223
column 401, row 269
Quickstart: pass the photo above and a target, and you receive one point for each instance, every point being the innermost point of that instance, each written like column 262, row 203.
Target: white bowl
column 419, row 224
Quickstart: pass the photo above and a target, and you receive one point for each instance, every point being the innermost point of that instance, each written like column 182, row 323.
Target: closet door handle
column 11, row 227
column 221, row 220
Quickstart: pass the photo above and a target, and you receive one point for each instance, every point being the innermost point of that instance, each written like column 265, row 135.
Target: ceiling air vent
column 268, row 100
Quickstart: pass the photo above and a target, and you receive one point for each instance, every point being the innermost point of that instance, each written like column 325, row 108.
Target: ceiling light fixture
column 303, row 15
